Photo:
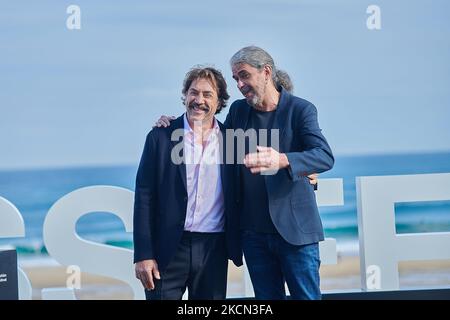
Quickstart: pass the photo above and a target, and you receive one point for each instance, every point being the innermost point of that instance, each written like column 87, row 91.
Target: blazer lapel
column 281, row 119
column 179, row 124
column 240, row 119
column 241, row 116
column 222, row 150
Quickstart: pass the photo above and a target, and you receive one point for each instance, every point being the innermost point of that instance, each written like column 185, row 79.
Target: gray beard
column 254, row 101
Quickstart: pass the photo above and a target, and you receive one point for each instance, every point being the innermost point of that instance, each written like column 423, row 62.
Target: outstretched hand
column 164, row 121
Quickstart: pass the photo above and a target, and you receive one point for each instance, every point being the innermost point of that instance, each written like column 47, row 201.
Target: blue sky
column 89, row 96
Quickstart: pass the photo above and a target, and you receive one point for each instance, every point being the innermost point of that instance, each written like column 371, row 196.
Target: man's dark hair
column 216, row 79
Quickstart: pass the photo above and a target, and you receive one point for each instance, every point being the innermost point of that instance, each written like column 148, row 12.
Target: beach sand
column 343, row 276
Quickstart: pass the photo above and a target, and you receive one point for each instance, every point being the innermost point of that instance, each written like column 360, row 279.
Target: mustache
column 203, row 107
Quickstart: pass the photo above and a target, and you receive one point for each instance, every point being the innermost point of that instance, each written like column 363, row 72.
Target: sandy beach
column 343, row 276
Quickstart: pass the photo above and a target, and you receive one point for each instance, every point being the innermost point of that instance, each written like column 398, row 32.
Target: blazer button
column 185, row 199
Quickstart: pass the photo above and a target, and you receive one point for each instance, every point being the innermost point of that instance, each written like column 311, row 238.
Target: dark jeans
column 272, row 261
column 200, row 264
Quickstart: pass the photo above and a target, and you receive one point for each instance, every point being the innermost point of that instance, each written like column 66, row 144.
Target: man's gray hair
column 258, row 58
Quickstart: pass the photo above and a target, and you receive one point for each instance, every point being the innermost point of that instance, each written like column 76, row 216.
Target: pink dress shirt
column 205, row 206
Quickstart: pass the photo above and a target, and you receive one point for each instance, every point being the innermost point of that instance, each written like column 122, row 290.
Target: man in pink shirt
column 184, row 199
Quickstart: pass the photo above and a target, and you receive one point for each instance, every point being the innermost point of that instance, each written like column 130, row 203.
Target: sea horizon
column 34, row 191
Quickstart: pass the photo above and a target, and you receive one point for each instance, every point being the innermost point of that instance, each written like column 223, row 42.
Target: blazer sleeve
column 316, row 155
column 144, row 202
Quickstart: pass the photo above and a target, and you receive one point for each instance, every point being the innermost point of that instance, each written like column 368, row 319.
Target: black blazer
column 292, row 202
column 161, row 200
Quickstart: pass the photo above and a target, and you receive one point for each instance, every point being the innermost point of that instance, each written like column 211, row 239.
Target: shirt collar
column 188, row 129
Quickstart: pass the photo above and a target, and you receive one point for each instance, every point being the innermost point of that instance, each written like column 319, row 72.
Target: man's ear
column 268, row 72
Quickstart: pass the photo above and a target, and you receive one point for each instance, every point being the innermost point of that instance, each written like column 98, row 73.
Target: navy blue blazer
column 161, row 200
column 292, row 201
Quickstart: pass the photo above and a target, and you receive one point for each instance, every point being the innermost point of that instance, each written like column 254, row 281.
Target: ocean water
column 340, row 222
column 33, row 192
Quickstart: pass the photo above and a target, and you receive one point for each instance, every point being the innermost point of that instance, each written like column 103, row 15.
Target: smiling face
column 251, row 82
column 201, row 101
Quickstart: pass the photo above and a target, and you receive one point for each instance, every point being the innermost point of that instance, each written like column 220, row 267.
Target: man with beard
column 183, row 201
column 279, row 217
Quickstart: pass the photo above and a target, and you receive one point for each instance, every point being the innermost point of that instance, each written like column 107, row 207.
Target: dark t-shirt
column 255, row 204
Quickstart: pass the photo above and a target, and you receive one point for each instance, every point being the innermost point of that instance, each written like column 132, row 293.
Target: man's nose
column 240, row 84
column 199, row 99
